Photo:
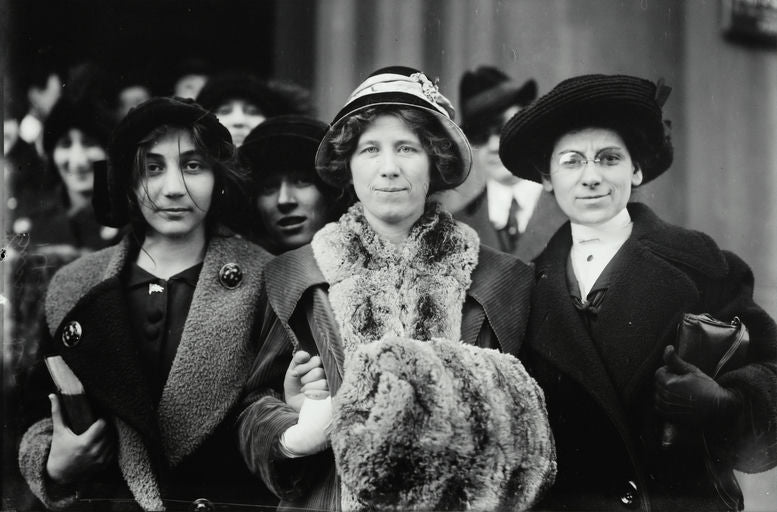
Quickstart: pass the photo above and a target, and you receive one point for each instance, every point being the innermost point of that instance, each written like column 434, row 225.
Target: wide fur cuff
column 440, row 425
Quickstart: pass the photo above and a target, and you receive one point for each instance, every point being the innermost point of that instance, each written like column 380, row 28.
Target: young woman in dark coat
column 611, row 287
column 160, row 329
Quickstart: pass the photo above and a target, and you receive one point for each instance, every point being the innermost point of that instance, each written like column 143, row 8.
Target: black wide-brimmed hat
column 487, row 91
column 588, row 100
column 84, row 116
column 282, row 144
column 402, row 87
column 111, row 189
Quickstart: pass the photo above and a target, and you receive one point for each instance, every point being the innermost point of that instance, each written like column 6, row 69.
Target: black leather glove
column 685, row 395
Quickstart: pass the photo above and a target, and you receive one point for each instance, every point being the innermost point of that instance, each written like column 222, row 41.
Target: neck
column 395, row 232
column 78, row 200
column 165, row 256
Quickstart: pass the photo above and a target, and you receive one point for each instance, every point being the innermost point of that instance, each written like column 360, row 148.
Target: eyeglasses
column 573, row 162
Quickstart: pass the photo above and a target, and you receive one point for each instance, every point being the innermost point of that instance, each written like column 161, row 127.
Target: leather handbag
column 715, row 347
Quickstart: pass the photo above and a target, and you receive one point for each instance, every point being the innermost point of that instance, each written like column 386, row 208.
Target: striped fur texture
column 440, row 425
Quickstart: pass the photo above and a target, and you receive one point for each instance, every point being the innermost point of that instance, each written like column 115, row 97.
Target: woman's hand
column 685, row 394
column 74, row 456
column 304, row 378
column 311, row 433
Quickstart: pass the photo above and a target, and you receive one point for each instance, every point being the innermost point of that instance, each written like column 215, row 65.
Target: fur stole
column 440, row 425
column 416, row 290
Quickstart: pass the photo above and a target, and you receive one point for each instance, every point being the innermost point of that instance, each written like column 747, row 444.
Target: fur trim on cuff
column 33, row 455
column 440, row 426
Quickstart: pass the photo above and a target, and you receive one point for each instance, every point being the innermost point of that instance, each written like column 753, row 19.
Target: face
column 239, row 117
column 486, row 155
column 390, row 172
column 176, row 187
column 189, row 86
column 292, row 209
column 131, row 97
column 74, row 156
column 594, row 192
column 43, row 100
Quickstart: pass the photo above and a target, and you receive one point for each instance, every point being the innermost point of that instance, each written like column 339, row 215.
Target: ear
column 546, row 184
column 636, row 177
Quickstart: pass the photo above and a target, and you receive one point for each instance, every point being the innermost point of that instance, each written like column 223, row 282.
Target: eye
column 252, row 110
column 570, row 161
column 90, row 142
column 610, row 158
column 224, row 110
column 369, row 149
column 64, row 142
column 153, row 168
column 194, row 167
column 407, row 148
column 268, row 188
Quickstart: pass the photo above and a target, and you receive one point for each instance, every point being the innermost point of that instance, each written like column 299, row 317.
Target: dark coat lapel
column 502, row 286
column 289, row 276
column 89, row 291
column 216, row 351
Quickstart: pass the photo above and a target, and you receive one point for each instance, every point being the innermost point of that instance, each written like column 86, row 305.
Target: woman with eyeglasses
column 611, row 286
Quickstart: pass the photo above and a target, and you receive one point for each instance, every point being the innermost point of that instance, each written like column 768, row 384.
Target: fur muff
column 416, row 290
column 440, row 425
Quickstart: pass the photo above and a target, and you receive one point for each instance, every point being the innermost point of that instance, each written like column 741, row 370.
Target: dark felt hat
column 589, row 100
column 283, row 143
column 403, row 87
column 487, row 92
column 136, row 125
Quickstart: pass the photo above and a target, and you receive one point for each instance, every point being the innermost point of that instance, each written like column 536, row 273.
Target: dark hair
column 230, row 204
column 636, row 140
column 442, row 150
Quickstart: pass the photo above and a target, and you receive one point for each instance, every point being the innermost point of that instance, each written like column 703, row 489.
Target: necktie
column 510, row 233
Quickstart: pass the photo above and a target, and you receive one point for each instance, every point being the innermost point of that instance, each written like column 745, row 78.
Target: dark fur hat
column 283, row 143
column 486, row 92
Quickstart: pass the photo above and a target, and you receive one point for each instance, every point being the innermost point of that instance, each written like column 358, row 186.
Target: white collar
column 616, row 230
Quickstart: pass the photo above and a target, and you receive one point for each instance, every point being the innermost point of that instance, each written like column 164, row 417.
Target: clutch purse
column 715, row 347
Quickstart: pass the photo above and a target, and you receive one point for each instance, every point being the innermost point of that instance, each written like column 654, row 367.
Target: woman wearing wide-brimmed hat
column 611, row 286
column 159, row 329
column 399, row 307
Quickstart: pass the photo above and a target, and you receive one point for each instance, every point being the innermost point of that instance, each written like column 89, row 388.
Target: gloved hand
column 684, row 394
column 304, row 378
column 311, row 433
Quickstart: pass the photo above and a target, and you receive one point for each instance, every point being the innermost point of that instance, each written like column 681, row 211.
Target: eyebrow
column 608, row 148
column 185, row 154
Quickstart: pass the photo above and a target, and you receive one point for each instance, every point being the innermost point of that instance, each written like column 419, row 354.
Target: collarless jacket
column 495, row 312
column 599, row 384
column 183, row 448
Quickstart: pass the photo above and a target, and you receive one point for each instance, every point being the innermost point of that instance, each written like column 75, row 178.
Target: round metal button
column 230, row 276
column 71, row 334
column 202, row 505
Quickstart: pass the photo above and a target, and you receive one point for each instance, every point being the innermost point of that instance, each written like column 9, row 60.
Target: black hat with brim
column 283, row 143
column 401, row 87
column 589, row 100
column 487, row 92
column 135, row 126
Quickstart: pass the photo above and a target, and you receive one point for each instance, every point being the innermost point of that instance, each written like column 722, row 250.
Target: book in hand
column 75, row 407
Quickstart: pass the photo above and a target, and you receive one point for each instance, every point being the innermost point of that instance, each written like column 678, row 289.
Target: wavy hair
column 442, row 150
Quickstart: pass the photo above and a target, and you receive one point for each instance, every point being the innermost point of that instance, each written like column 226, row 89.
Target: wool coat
column 495, row 312
column 183, row 448
column 599, row 383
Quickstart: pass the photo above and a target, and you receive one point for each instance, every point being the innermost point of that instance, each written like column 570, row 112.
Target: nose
column 591, row 176
column 78, row 161
column 389, row 167
column 287, row 199
column 174, row 184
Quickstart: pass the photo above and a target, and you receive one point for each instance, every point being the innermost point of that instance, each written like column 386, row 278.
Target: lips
column 389, row 189
column 291, row 222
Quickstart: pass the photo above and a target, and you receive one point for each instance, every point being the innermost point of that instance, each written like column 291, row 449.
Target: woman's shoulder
column 289, row 275
column 676, row 244
column 238, row 246
column 494, row 262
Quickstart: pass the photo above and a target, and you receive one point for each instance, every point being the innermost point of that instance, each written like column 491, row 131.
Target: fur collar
column 378, row 289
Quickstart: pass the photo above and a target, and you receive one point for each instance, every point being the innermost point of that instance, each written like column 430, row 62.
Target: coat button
column 71, row 334
column 630, row 497
column 202, row 505
column 230, row 276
